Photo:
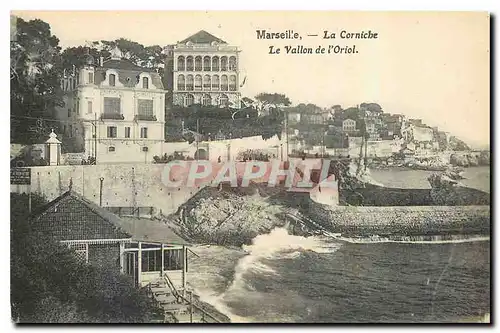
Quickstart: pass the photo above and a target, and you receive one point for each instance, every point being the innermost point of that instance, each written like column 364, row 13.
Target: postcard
column 227, row 167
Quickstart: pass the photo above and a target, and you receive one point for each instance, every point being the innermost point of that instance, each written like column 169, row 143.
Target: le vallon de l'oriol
column 291, row 34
